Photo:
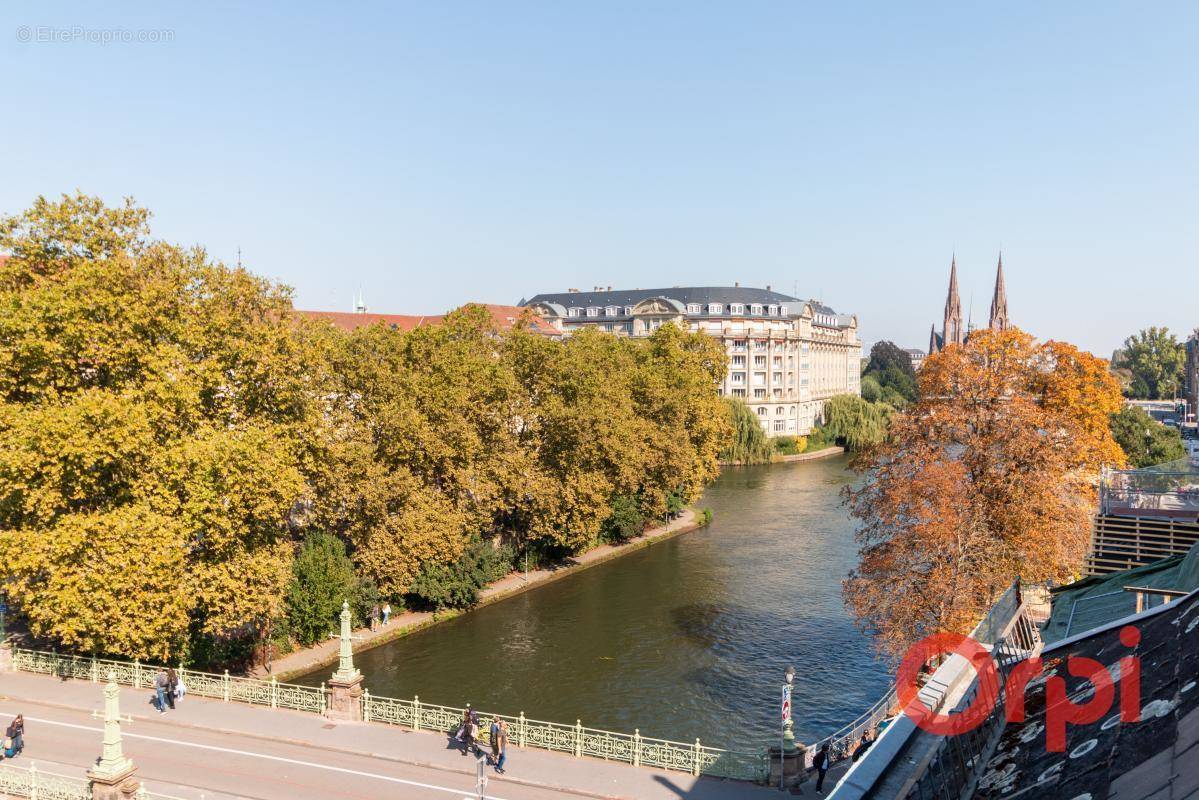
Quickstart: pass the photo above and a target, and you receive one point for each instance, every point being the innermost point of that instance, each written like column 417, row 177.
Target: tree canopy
column 889, row 376
column 1153, row 360
column 171, row 432
column 1145, row 441
column 988, row 477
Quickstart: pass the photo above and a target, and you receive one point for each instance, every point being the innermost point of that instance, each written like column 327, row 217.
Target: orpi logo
column 1059, row 708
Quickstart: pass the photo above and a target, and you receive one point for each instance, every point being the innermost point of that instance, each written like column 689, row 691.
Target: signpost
column 3, row 611
column 480, row 779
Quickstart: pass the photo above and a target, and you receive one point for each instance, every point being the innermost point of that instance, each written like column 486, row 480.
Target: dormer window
column 612, row 311
column 628, row 311
column 773, row 311
column 695, row 308
column 736, row 308
column 715, row 308
column 783, row 310
column 756, row 309
column 572, row 312
column 593, row 311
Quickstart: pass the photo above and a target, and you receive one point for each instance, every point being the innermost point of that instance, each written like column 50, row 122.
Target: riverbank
column 826, row 452
column 325, row 653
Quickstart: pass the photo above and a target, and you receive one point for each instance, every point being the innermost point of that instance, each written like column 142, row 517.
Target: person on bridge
column 821, row 763
column 15, row 737
column 160, row 691
column 502, row 744
column 495, row 739
column 172, row 687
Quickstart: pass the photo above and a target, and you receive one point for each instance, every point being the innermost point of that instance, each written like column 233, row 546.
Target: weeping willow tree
column 749, row 444
column 855, row 422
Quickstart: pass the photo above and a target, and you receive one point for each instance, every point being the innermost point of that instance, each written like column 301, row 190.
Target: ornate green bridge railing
column 38, row 784
column 632, row 748
column 202, row 684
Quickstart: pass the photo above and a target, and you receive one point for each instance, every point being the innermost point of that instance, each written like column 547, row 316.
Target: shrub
column 789, row 445
column 458, row 583
column 625, row 521
column 322, row 577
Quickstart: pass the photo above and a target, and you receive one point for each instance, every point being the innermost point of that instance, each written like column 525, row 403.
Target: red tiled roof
column 505, row 318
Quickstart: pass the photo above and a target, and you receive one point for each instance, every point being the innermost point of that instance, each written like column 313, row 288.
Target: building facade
column 787, row 356
column 952, row 329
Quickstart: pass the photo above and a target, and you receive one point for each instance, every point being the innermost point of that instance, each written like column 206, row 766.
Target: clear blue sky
column 436, row 152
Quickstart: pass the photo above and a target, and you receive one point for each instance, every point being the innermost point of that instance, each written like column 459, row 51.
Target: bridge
column 240, row 737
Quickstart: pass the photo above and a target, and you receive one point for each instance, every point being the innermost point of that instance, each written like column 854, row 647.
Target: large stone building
column 952, row 329
column 787, row 356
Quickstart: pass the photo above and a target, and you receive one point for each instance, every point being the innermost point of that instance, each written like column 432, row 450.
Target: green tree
column 1144, row 440
column 748, row 444
column 854, row 422
column 890, row 368
column 625, row 521
column 322, row 578
column 457, row 584
column 1155, row 359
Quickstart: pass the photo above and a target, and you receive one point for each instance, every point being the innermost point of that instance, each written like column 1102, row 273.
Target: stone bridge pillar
column 345, row 687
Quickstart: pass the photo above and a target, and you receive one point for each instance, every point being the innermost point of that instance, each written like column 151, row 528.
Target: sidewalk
column 325, row 653
column 528, row 767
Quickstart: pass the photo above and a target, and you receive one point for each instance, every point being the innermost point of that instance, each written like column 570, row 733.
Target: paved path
column 323, row 653
column 216, row 751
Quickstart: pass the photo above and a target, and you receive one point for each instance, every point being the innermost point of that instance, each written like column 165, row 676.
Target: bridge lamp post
column 787, row 743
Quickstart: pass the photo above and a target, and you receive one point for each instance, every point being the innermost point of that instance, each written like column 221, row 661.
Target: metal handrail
column 693, row 757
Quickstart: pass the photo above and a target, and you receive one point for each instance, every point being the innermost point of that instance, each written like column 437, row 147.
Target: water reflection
column 685, row 639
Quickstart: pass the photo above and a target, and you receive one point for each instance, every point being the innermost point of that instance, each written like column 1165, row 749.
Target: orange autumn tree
column 988, row 478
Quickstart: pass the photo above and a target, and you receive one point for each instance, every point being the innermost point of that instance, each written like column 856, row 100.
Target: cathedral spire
column 934, row 346
column 952, row 331
column 999, row 317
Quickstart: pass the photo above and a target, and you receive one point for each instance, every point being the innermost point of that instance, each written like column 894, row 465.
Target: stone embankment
column 325, row 653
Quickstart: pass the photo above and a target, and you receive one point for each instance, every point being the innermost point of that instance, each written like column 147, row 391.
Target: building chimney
column 609, row 288
column 768, row 287
column 572, row 291
column 737, row 284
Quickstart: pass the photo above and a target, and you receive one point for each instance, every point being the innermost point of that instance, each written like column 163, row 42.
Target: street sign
column 786, row 703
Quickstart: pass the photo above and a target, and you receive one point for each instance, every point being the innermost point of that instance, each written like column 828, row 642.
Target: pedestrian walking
column 180, row 688
column 386, row 613
column 464, row 728
column 14, row 737
column 160, row 690
column 495, row 739
column 172, row 687
column 375, row 617
column 821, row 763
column 503, row 745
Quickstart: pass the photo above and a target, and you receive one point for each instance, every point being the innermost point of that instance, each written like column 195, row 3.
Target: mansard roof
column 702, row 295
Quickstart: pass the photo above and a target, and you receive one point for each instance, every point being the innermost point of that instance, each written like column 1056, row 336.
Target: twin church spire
column 952, row 329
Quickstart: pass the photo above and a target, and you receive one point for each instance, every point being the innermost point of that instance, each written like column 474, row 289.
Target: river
column 687, row 638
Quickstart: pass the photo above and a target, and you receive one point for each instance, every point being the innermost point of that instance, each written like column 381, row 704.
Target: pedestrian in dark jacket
column 172, row 687
column 821, row 763
column 862, row 747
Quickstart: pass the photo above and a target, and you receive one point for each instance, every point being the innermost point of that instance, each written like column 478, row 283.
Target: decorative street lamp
column 346, row 671
column 787, row 745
